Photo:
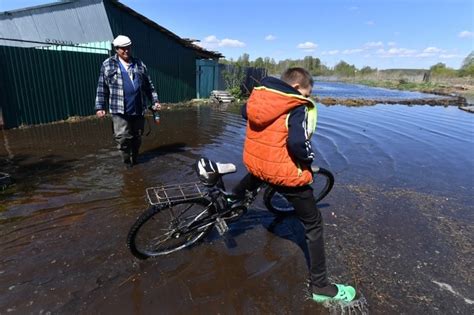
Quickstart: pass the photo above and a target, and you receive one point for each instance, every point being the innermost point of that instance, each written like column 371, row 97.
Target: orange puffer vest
column 265, row 149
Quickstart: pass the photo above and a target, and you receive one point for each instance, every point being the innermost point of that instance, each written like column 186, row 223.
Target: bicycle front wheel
column 323, row 181
column 164, row 230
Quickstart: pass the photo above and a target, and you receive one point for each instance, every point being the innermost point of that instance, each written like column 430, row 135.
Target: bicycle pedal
column 221, row 226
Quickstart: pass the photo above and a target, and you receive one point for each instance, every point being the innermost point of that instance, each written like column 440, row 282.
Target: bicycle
column 182, row 214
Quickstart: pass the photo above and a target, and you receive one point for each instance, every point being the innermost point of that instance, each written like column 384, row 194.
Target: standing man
column 124, row 85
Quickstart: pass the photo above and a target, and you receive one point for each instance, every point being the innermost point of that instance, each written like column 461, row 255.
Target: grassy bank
column 441, row 87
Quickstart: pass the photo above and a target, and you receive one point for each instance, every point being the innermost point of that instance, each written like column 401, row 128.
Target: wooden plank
column 469, row 109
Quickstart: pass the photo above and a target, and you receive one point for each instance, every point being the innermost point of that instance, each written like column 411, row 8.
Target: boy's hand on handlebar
column 156, row 107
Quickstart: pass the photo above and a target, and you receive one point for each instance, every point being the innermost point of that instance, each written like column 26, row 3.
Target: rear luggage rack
column 172, row 193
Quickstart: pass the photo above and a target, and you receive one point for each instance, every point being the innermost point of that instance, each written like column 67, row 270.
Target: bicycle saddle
column 209, row 171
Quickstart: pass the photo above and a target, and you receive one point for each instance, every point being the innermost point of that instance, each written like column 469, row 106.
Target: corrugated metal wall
column 40, row 86
column 69, row 22
column 172, row 67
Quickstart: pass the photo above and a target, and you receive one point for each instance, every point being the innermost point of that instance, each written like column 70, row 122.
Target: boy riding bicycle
column 281, row 119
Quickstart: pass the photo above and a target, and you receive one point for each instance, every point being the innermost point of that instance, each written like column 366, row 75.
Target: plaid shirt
column 110, row 86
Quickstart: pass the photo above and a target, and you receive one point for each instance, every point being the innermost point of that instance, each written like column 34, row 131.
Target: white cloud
column 424, row 54
column 466, row 34
column 353, row 8
column 402, row 52
column 431, row 50
column 352, row 51
column 307, row 46
column 390, row 50
column 449, row 56
column 373, row 45
column 330, row 52
column 212, row 41
column 226, row 42
column 370, row 23
column 397, row 52
column 270, row 37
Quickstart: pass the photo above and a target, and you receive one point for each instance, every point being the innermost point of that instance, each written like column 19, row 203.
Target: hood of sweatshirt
column 271, row 100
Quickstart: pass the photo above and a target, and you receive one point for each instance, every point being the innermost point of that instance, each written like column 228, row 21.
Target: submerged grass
column 465, row 90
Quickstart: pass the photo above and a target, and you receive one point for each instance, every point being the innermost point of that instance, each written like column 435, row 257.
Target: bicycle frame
column 189, row 210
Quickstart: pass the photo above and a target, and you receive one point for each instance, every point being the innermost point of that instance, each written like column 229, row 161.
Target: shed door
column 206, row 77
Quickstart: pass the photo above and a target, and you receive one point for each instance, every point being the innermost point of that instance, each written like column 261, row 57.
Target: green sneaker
column 345, row 293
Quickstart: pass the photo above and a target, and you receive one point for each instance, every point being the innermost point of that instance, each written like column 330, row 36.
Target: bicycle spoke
column 183, row 211
column 160, row 232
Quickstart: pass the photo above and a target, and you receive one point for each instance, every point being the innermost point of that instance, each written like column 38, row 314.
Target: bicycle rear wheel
column 164, row 230
column 323, row 181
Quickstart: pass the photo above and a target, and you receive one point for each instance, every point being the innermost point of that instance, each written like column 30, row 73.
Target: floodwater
column 355, row 91
column 398, row 224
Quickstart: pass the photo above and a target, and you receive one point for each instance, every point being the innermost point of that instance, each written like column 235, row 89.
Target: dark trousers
column 128, row 130
column 303, row 201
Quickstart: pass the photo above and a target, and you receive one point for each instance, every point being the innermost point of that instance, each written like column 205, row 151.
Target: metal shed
column 51, row 55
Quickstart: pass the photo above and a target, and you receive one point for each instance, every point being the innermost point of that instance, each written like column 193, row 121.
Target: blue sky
column 377, row 33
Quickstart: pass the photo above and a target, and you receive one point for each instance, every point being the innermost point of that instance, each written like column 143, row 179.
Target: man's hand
column 100, row 113
column 157, row 106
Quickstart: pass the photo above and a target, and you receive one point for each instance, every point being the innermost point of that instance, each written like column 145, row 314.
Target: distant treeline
column 344, row 69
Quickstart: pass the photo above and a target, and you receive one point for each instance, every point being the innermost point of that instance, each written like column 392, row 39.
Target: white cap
column 122, row 41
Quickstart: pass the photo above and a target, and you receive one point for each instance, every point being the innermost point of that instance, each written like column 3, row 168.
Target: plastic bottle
column 156, row 117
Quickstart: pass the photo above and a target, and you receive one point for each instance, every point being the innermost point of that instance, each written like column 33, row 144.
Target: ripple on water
column 419, row 146
column 344, row 90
